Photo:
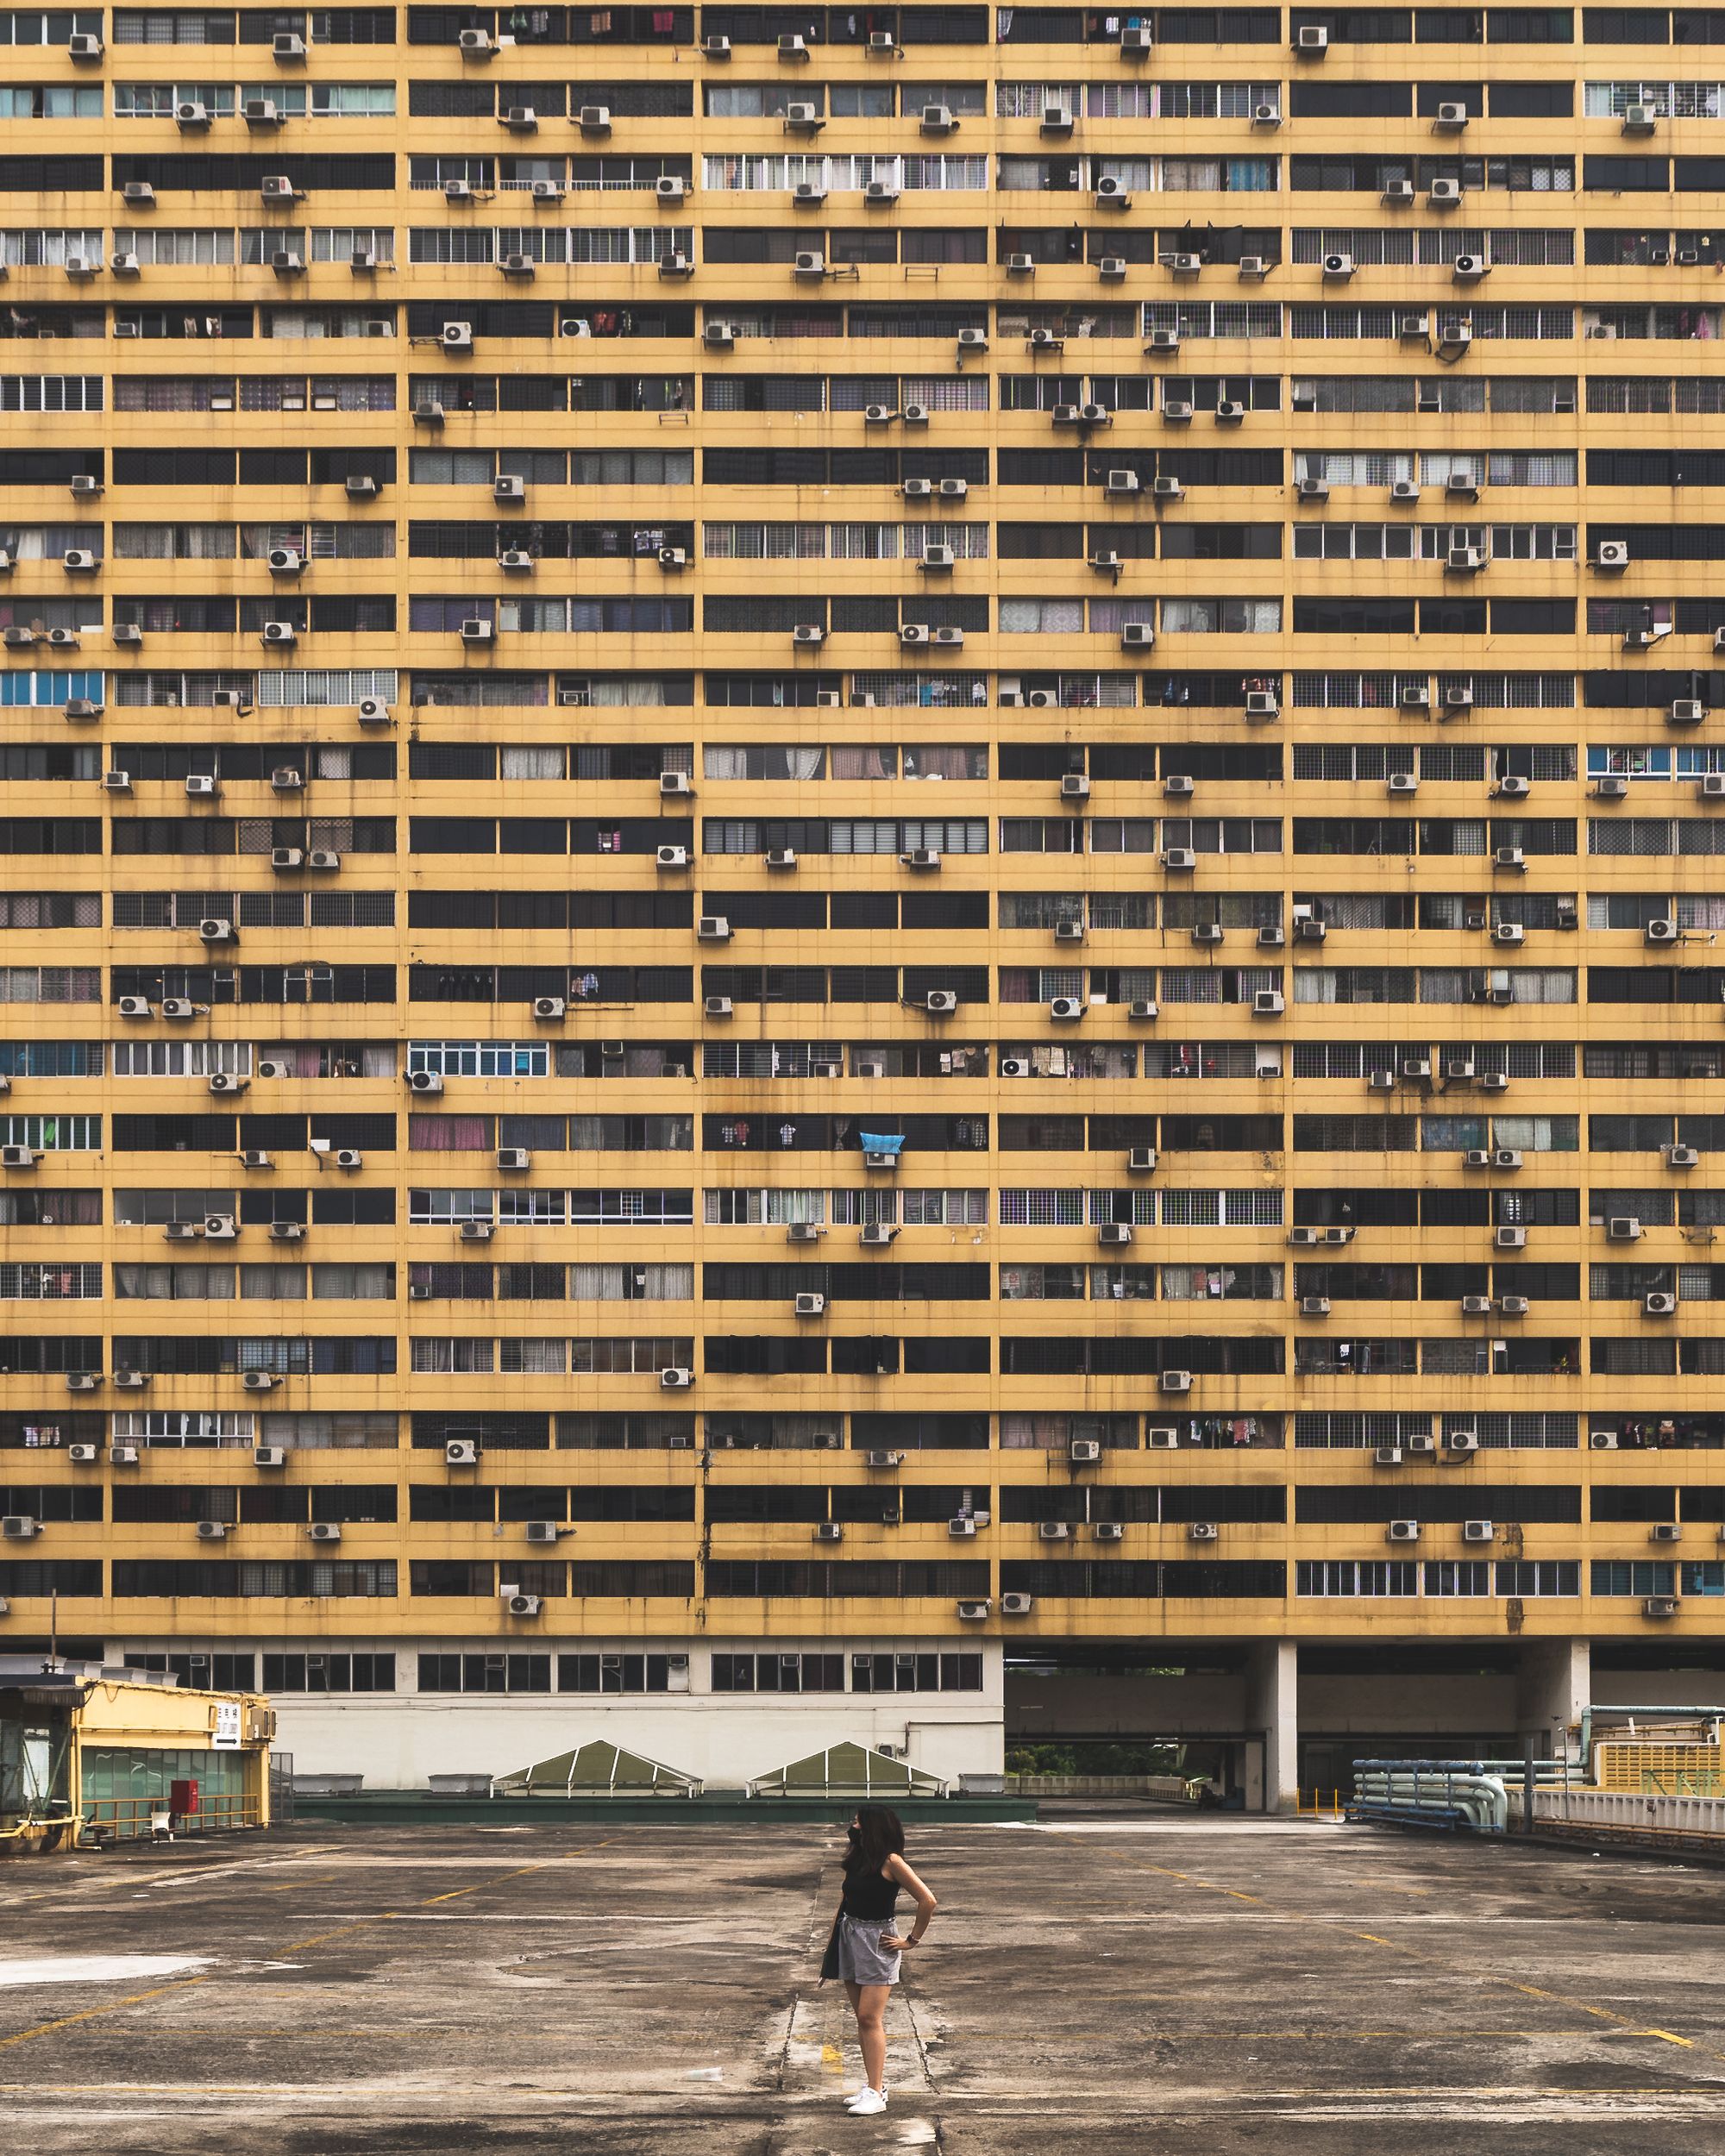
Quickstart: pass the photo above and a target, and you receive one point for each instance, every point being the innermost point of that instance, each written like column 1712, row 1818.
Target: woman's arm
column 926, row 1904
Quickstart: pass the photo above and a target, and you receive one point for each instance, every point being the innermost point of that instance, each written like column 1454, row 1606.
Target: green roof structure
column 597, row 1768
column 848, row 1769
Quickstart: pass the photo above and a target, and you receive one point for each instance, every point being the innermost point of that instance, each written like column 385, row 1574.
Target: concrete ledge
column 417, row 1807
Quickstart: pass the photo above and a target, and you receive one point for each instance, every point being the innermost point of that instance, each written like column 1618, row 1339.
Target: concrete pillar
column 1553, row 1684
column 1273, row 1706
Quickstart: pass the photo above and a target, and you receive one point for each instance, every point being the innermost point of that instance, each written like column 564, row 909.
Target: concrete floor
column 1103, row 1984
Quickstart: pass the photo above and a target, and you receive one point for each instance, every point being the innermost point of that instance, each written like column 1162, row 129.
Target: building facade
column 1085, row 1106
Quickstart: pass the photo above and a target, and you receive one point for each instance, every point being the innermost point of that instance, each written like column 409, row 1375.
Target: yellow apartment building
column 1083, row 1108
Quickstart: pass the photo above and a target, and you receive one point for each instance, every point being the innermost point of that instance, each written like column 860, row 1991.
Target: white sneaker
column 866, row 2104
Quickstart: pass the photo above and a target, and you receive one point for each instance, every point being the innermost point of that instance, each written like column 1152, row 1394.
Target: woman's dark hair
column 879, row 1835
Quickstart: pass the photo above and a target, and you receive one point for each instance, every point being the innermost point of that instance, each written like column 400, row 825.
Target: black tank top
column 868, row 1897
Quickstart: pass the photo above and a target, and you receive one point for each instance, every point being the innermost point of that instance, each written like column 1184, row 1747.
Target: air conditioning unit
column 19, row 1527
column 258, row 1382
column 808, row 263
column 1168, row 490
column 920, row 857
column 514, row 1159
column 1176, row 411
column 1660, row 1306
column 457, row 336
column 1112, row 193
column 1338, row 267
column 1639, row 119
column 1312, row 490
column 1444, row 194
column 1016, row 1605
column 1137, row 38
column 972, row 1613
column 1661, row 932
column 1175, row 1382
column 1686, row 710
column 1611, row 553
column 1121, row 483
column 1510, row 1238
column 1468, row 269
column 1659, row 1606
column 1053, row 1531
column 287, row 1232
column 1114, row 1235
column 877, row 1235
column 1397, row 192
column 676, row 1380
column 1267, row 1003
column 882, row 191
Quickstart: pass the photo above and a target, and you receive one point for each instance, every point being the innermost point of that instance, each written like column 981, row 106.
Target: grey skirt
column 862, row 1959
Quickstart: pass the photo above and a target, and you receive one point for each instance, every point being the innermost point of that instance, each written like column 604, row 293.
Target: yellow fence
column 132, row 1818
column 1659, row 1770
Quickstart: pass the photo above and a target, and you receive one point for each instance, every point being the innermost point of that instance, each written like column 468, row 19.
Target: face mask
column 855, row 1833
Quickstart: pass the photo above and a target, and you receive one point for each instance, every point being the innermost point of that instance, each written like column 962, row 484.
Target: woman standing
column 866, row 1948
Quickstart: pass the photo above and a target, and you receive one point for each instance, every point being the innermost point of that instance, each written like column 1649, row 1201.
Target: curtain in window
column 534, row 1358
column 447, row 1134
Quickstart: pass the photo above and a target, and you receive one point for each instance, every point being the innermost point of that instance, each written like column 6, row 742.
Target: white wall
column 397, row 1741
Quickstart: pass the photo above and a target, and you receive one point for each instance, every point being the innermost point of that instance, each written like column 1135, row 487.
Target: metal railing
column 139, row 1818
